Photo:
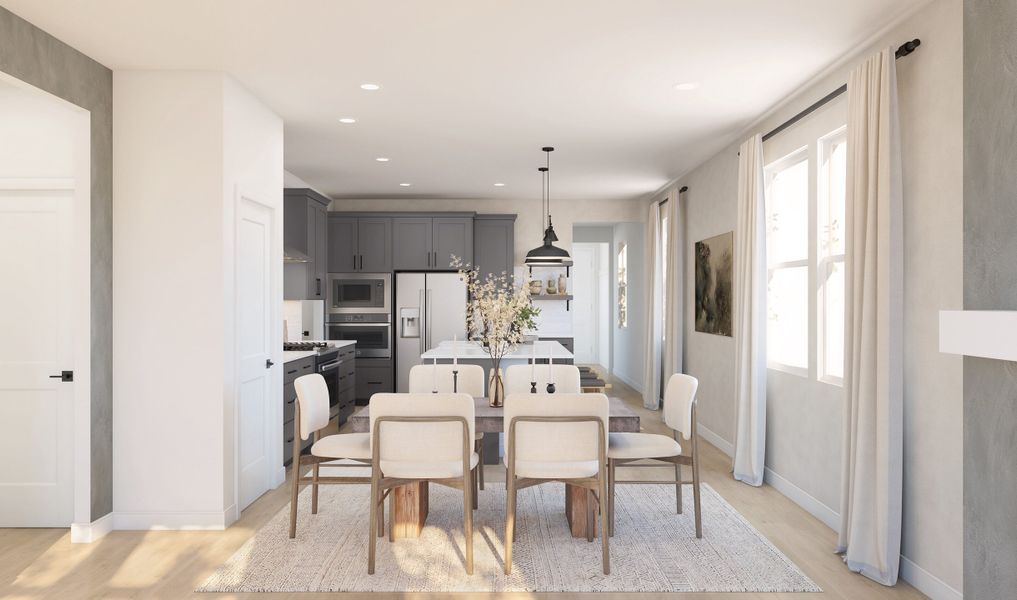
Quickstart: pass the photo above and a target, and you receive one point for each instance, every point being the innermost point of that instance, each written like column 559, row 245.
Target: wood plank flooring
column 42, row 563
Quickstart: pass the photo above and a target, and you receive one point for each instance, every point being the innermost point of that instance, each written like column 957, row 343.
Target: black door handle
column 64, row 376
column 268, row 363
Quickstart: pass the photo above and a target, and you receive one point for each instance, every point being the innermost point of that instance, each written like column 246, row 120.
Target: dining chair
column 422, row 438
column 561, row 440
column 312, row 414
column 469, row 379
column 518, row 378
column 680, row 416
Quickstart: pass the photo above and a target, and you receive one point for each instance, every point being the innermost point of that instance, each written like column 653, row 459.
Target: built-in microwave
column 359, row 293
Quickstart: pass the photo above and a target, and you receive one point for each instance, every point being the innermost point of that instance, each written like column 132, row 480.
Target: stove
column 304, row 346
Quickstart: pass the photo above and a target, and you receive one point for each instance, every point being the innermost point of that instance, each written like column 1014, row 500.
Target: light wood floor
column 42, row 563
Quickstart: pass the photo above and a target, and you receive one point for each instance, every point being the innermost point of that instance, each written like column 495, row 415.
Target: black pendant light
column 547, row 254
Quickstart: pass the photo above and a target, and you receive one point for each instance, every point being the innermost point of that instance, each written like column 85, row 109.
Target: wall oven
column 359, row 293
column 371, row 331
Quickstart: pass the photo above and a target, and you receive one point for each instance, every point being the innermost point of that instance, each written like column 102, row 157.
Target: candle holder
column 533, row 387
column 455, row 382
column 550, row 388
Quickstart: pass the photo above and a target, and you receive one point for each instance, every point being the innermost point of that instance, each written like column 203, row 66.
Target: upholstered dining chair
column 312, row 414
column 563, row 438
column 422, row 438
column 518, row 378
column 680, row 416
column 469, row 380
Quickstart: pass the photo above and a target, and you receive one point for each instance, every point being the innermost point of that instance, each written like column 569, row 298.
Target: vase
column 496, row 388
column 561, row 285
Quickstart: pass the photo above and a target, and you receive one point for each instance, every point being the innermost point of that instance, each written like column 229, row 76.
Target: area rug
column 653, row 550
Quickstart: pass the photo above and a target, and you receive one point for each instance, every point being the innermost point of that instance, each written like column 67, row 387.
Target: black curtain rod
column 904, row 49
column 681, row 190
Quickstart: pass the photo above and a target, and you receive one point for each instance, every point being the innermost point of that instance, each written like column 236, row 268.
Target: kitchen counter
column 292, row 355
column 471, row 351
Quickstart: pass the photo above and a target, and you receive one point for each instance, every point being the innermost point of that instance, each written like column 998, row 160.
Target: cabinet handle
column 354, row 262
column 361, row 262
column 317, row 281
column 291, row 372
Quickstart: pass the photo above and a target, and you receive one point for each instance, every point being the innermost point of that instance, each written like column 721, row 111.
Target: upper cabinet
column 305, row 244
column 423, row 243
column 494, row 244
column 359, row 244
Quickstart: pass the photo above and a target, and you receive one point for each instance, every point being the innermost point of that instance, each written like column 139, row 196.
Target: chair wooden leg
column 610, row 496
column 294, row 493
column 468, row 501
column 604, row 534
column 589, row 516
column 695, row 496
column 373, row 541
column 391, row 515
column 381, row 518
column 474, row 485
column 480, row 465
column 678, row 486
column 314, row 491
column 510, row 520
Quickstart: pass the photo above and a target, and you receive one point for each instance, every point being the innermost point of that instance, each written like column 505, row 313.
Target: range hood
column 292, row 255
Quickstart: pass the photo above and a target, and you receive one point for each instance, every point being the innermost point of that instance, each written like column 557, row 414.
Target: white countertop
column 448, row 350
column 292, row 355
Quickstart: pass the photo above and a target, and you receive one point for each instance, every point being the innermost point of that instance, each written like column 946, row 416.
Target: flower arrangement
column 498, row 314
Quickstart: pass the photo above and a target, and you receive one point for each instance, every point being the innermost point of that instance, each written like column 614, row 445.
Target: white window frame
column 769, row 171
column 622, row 285
column 824, row 263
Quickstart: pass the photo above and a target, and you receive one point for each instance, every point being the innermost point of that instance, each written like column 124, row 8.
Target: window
column 830, row 265
column 623, row 265
column 787, row 250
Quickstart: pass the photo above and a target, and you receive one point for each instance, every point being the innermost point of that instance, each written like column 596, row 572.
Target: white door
column 254, row 348
column 36, row 409
column 585, row 290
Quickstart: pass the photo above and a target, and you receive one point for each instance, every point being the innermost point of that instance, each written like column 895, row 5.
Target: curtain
column 654, row 310
column 675, row 321
column 750, row 316
column 871, row 474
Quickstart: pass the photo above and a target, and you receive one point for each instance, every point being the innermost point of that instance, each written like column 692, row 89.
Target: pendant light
column 547, row 254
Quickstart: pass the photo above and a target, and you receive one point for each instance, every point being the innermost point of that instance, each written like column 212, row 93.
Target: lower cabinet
column 373, row 376
column 292, row 370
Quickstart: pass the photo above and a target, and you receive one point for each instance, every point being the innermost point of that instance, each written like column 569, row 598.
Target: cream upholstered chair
column 312, row 414
column 556, row 438
column 469, row 380
column 518, row 378
column 422, row 437
column 680, row 416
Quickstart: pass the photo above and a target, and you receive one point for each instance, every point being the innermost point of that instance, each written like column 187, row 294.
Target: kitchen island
column 473, row 353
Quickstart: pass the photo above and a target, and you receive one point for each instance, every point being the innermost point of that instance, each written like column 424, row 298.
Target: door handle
column 64, row 376
column 427, row 324
column 268, row 363
column 422, row 316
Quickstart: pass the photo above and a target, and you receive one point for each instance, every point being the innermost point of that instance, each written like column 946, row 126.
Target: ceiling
column 471, row 89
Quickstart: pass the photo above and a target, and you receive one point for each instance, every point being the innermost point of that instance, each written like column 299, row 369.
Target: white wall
column 182, row 141
column 929, row 85
column 628, row 342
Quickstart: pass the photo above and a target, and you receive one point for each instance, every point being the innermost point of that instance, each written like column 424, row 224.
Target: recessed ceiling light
column 381, row 159
column 347, row 120
column 499, row 184
column 405, row 184
column 686, row 86
column 370, row 86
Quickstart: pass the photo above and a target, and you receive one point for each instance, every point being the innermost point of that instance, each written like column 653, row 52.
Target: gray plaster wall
column 35, row 57
column 990, row 282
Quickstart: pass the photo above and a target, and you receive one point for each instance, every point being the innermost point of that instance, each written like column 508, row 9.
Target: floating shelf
column 566, row 297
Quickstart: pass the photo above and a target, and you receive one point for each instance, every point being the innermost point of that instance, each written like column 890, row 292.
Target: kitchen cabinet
column 423, row 243
column 305, row 233
column 359, row 244
column 374, row 376
column 494, row 244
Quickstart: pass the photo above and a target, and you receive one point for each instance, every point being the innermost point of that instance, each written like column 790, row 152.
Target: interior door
column 36, row 410
column 254, row 348
column 585, row 323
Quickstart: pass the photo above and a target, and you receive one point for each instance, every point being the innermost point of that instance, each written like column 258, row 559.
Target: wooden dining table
column 408, row 504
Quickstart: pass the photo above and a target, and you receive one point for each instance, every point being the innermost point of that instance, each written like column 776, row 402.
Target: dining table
column 408, row 504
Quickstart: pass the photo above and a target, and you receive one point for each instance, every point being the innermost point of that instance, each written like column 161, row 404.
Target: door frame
column 83, row 529
column 273, row 409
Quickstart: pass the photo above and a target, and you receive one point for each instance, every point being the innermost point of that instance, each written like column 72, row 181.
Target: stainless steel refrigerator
column 430, row 308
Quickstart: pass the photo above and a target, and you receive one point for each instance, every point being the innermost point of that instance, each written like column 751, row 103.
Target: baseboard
column 628, row 381
column 280, row 477
column 183, row 521
column 723, row 445
column 812, row 505
column 926, row 582
column 86, row 533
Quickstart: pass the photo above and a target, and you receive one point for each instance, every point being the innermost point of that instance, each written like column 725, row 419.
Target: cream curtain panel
column 750, row 316
column 675, row 321
column 871, row 476
column 654, row 310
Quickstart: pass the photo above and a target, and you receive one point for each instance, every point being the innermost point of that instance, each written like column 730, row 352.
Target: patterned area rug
column 653, row 550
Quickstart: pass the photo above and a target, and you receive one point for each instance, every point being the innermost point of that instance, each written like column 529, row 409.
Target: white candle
column 550, row 367
column 533, row 363
column 455, row 350
column 434, row 374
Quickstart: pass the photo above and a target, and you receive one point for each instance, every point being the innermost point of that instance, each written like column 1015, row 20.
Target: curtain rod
column 904, row 49
column 681, row 190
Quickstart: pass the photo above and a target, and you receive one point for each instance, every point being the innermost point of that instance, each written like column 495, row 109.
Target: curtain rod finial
column 683, row 189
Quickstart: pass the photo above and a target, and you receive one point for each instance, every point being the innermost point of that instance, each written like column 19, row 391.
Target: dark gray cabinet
column 359, row 244
column 374, row 376
column 424, row 243
column 494, row 244
column 305, row 233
